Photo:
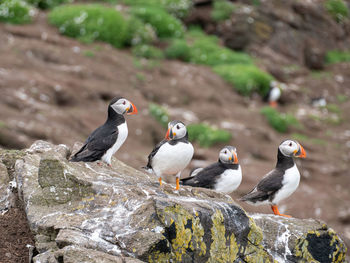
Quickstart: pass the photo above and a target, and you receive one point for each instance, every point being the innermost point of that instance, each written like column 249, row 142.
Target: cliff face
column 81, row 212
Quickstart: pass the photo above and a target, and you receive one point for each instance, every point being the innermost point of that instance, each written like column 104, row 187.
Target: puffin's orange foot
column 276, row 212
column 160, row 181
column 273, row 104
column 177, row 183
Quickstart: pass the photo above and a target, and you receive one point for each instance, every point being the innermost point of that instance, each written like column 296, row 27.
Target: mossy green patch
column 279, row 121
column 206, row 135
column 58, row 186
column 159, row 113
column 15, row 12
column 9, row 158
column 222, row 10
column 338, row 9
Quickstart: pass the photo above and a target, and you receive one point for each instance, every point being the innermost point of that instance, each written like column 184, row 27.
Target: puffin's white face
column 176, row 130
column 291, row 148
column 123, row 106
column 228, row 155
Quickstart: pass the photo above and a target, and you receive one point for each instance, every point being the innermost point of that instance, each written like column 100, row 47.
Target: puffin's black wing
column 97, row 144
column 266, row 188
column 153, row 153
column 205, row 178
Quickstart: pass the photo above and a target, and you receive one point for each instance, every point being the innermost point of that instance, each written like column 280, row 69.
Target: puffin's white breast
column 229, row 180
column 290, row 183
column 275, row 94
column 171, row 159
column 122, row 135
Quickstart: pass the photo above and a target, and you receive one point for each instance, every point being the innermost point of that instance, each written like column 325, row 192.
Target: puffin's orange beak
column 235, row 159
column 132, row 109
column 301, row 152
column 167, row 134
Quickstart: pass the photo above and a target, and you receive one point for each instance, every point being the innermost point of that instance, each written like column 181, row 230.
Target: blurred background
column 209, row 63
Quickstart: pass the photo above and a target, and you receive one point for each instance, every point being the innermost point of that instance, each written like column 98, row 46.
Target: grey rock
column 82, row 212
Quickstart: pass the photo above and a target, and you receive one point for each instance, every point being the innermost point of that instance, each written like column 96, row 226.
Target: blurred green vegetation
column 222, row 10
column 206, row 135
column 46, row 4
column 147, row 51
column 336, row 56
column 279, row 121
column 15, row 12
column 139, row 32
column 159, row 113
column 304, row 138
column 342, row 98
column 245, row 78
column 338, row 9
column 89, row 53
column 164, row 23
column 90, row 22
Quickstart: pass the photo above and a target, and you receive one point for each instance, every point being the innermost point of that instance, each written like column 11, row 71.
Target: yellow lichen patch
column 303, row 254
column 221, row 249
column 254, row 251
column 159, row 257
column 188, row 233
column 263, row 30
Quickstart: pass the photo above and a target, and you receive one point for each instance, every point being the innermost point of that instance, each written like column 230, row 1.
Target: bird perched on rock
column 282, row 181
column 107, row 139
column 172, row 155
column 224, row 176
column 274, row 93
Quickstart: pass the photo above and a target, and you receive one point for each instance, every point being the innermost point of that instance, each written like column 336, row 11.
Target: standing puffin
column 172, row 155
column 274, row 93
column 224, row 176
column 107, row 139
column 282, row 181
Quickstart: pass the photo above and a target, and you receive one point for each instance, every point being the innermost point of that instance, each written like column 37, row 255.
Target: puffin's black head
column 121, row 106
column 228, row 155
column 292, row 148
column 176, row 130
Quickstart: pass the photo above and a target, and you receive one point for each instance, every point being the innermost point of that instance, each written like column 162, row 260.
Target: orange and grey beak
column 169, row 134
column 235, row 159
column 132, row 109
column 300, row 153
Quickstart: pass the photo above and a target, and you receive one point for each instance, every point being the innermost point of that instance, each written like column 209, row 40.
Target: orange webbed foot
column 276, row 212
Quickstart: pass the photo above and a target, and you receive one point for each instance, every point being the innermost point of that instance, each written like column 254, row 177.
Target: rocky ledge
column 81, row 212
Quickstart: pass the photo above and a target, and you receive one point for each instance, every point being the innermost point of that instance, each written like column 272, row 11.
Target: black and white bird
column 282, row 181
column 224, row 176
column 274, row 93
column 172, row 155
column 107, row 139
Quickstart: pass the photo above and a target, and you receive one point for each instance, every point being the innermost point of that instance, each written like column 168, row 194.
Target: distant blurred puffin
column 282, row 181
column 224, row 176
column 274, row 93
column 172, row 155
column 107, row 139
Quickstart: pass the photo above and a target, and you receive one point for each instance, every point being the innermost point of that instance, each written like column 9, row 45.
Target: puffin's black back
column 208, row 176
column 101, row 139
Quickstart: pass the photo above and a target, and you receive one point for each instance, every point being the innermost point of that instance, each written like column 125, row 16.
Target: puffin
column 171, row 155
column 282, row 181
column 223, row 176
column 108, row 138
column 274, row 93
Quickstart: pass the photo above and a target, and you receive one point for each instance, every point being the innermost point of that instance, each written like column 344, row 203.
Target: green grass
column 46, row 4
column 342, row 98
column 200, row 48
column 90, row 22
column 206, row 135
column 15, row 12
column 279, row 121
column 246, row 79
column 336, row 56
column 159, row 113
column 147, row 51
column 333, row 108
column 139, row 32
column 89, row 53
column 222, row 10
column 338, row 9
column 165, row 25
column 178, row 49
column 178, row 8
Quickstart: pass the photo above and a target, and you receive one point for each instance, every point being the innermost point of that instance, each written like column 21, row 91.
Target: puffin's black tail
column 253, row 197
column 148, row 169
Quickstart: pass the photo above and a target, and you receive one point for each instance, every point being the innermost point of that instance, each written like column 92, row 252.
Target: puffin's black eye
column 225, row 152
column 177, row 127
column 290, row 144
column 124, row 102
